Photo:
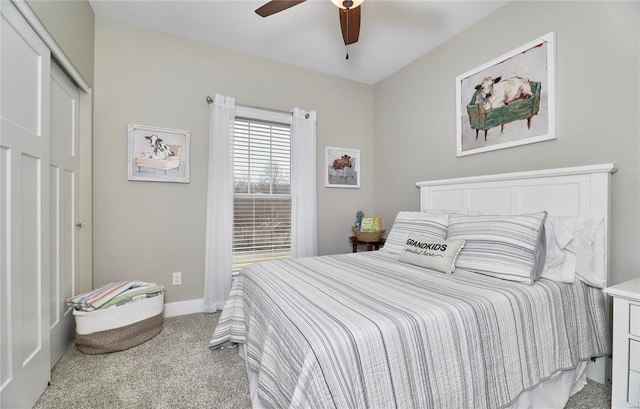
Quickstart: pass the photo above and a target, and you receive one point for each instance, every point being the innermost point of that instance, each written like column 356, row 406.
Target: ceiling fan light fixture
column 341, row 3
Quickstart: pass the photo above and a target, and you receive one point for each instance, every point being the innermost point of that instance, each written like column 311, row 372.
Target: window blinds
column 262, row 191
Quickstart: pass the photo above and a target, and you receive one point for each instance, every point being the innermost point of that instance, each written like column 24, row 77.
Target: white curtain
column 304, row 209
column 219, row 224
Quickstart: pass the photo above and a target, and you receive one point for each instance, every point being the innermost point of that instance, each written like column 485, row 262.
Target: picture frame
column 342, row 167
column 508, row 101
column 158, row 154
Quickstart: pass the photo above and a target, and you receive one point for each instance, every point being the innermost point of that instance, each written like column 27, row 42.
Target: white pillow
column 427, row 252
column 578, row 250
column 432, row 226
column 560, row 263
column 588, row 247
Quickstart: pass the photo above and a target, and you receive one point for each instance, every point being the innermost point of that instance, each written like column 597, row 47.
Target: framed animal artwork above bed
column 508, row 101
column 158, row 154
column 507, row 327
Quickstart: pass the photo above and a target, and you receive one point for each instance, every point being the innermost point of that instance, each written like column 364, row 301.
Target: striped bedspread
column 366, row 331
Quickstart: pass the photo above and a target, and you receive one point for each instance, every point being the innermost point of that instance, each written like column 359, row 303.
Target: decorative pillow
column 427, row 252
column 508, row 247
column 432, row 226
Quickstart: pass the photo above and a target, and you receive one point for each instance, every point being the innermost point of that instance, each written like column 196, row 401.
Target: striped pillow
column 429, row 225
column 508, row 247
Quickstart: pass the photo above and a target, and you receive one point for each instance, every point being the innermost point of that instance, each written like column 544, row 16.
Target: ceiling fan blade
column 350, row 24
column 276, row 6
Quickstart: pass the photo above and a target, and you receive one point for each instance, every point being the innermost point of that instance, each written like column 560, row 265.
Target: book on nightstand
column 371, row 224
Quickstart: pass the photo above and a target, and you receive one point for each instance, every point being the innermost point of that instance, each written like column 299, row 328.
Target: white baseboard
column 174, row 309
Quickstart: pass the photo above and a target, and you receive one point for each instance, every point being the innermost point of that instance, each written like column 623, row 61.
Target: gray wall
column 147, row 230
column 71, row 24
column 597, row 66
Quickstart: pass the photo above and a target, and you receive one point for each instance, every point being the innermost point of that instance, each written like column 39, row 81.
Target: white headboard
column 582, row 190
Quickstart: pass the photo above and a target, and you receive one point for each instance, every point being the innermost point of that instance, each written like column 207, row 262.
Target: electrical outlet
column 177, row 278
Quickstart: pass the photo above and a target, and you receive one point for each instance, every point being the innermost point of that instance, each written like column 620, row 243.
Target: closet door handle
column 79, row 224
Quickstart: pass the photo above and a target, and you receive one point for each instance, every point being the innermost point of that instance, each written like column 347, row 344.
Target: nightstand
column 625, row 371
column 370, row 245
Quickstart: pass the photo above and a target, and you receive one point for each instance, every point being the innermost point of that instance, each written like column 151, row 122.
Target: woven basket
column 368, row 236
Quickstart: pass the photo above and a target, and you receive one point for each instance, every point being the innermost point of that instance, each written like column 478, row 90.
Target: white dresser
column 625, row 371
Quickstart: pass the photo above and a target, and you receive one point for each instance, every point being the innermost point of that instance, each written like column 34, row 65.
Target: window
column 262, row 188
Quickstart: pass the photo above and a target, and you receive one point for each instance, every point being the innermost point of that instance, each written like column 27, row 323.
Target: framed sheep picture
column 508, row 101
column 342, row 167
column 158, row 154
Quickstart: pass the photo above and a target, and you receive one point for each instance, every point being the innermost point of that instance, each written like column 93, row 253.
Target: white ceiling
column 393, row 33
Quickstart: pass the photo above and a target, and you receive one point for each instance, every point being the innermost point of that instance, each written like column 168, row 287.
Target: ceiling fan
column 348, row 10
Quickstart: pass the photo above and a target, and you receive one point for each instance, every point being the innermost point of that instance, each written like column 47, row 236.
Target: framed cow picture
column 158, row 154
column 342, row 167
column 508, row 101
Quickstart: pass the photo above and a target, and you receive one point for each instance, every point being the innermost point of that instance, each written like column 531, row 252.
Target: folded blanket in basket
column 134, row 294
column 118, row 292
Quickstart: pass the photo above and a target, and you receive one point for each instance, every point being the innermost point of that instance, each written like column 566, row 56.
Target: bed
column 367, row 330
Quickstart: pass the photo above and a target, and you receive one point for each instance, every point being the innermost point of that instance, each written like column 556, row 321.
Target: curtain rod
column 210, row 100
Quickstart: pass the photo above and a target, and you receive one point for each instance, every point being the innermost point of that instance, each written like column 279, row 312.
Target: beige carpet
column 173, row 370
column 177, row 370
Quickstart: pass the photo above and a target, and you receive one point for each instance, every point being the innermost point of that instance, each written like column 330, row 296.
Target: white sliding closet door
column 24, row 211
column 63, row 193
